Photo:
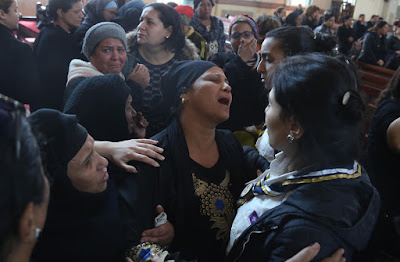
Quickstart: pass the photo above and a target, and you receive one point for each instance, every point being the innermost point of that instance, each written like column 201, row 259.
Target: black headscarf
column 197, row 2
column 60, row 137
column 99, row 104
column 129, row 14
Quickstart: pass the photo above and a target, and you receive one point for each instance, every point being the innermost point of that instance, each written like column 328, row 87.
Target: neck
column 198, row 133
column 21, row 253
column 63, row 25
column 155, row 55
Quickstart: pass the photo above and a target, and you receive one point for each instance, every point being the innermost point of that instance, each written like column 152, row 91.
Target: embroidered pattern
column 217, row 203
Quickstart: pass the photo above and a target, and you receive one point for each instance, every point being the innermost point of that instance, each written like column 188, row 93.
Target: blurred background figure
column 393, row 47
column 374, row 45
column 96, row 11
column 345, row 35
column 128, row 15
column 359, row 27
column 309, row 18
column 265, row 24
column 325, row 28
column 293, row 19
column 280, row 14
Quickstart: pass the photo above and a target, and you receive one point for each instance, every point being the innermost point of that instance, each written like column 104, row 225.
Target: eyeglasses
column 16, row 110
column 245, row 35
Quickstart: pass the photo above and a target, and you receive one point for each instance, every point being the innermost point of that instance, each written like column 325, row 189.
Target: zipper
column 248, row 239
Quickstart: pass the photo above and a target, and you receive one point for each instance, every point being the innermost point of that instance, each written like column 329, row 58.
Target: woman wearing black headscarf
column 83, row 199
column 204, row 168
column 96, row 11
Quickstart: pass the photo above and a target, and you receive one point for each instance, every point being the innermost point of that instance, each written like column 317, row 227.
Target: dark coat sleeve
column 221, row 38
column 293, row 239
column 254, row 160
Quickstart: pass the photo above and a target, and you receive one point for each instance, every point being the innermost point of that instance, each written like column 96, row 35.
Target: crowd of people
column 129, row 133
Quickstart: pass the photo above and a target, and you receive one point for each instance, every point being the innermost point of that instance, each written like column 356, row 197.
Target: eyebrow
column 88, row 156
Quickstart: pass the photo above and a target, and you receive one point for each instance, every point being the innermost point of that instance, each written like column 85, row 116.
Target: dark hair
column 380, row 24
column 172, row 4
column 64, row 5
column 5, row 5
column 361, row 15
column 392, row 90
column 299, row 40
column 197, row 2
column 280, row 10
column 373, row 16
column 344, row 19
column 21, row 180
column 311, row 89
column 328, row 16
column 170, row 17
column 266, row 23
column 311, row 9
column 291, row 18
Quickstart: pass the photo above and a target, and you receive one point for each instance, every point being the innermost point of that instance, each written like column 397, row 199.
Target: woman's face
column 109, row 14
column 210, row 96
column 277, row 128
column 239, row 29
column 271, row 55
column 73, row 17
column 88, row 170
column 130, row 114
column 109, row 56
column 204, row 9
column 151, row 30
column 11, row 18
column 329, row 23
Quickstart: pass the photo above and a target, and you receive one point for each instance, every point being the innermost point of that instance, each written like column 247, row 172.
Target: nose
column 261, row 68
column 140, row 25
column 227, row 88
column 103, row 162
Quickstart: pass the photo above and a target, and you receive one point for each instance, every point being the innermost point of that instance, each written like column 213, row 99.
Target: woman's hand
column 247, row 49
column 308, row 253
column 139, row 125
column 140, row 75
column 162, row 235
column 120, row 153
column 380, row 62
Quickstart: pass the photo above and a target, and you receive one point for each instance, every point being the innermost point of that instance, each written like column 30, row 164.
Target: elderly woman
column 204, row 168
column 157, row 43
column 24, row 191
column 314, row 189
column 240, row 68
column 19, row 76
column 105, row 47
column 210, row 27
column 83, row 199
column 96, row 11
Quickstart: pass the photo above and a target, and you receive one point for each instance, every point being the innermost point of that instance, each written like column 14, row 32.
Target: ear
column 170, row 30
column 60, row 12
column 26, row 230
column 2, row 15
column 295, row 129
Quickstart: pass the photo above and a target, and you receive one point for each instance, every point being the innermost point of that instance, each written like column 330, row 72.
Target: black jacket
column 171, row 185
column 248, row 94
column 393, row 45
column 343, row 35
column 373, row 48
column 359, row 30
column 18, row 70
column 54, row 49
column 338, row 213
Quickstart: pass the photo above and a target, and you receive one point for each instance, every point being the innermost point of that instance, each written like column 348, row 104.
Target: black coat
column 18, row 70
column 248, row 95
column 343, row 35
column 171, row 185
column 393, row 45
column 54, row 49
column 359, row 30
column 339, row 213
column 373, row 48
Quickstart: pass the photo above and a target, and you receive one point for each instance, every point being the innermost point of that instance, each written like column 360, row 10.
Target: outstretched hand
column 120, row 153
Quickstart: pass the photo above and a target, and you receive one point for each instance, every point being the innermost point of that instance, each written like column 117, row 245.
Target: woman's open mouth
column 224, row 101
